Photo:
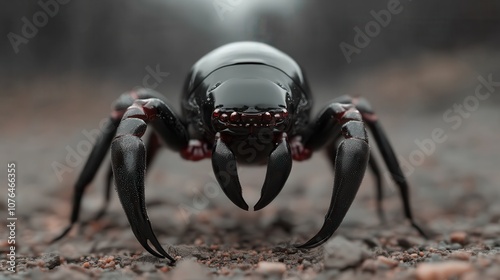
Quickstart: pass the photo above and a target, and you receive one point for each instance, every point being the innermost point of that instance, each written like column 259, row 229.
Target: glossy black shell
column 239, row 61
column 244, row 53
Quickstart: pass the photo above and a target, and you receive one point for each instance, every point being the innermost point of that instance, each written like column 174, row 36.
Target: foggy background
column 116, row 40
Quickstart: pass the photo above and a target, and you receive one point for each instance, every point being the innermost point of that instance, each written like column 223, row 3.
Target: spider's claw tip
column 424, row 233
column 278, row 169
column 62, row 234
column 144, row 232
column 150, row 236
column 321, row 237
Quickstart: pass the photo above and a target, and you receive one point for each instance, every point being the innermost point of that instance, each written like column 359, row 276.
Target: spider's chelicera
column 245, row 103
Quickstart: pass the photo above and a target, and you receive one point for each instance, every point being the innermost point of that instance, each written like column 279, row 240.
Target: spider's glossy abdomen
column 244, row 53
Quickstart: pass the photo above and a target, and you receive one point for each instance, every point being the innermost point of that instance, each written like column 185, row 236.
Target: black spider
column 244, row 103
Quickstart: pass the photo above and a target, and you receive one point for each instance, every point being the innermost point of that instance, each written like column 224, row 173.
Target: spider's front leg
column 374, row 125
column 350, row 162
column 100, row 150
column 152, row 147
column 128, row 158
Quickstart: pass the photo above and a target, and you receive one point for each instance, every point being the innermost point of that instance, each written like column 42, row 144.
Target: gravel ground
column 454, row 192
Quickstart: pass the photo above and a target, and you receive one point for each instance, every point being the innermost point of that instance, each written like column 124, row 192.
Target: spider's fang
column 278, row 169
column 224, row 165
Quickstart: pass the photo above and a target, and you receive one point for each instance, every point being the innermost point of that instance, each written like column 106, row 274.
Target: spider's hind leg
column 375, row 169
column 89, row 170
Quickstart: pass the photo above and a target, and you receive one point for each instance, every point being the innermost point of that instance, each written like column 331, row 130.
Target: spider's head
column 250, row 119
column 251, row 116
column 246, row 107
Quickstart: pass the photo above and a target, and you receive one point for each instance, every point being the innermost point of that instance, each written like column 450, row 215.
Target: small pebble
column 271, row 267
column 387, row 261
column 460, row 255
column 405, row 243
column 369, row 265
column 51, row 260
column 435, row 257
column 455, row 246
column 86, row 265
column 31, row 264
column 110, row 264
column 443, row 270
column 198, row 242
column 341, row 253
column 459, row 237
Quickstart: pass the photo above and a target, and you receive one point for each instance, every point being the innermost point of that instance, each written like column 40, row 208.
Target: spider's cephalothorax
column 243, row 103
column 251, row 94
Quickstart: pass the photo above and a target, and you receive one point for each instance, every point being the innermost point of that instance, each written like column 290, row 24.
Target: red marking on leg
column 142, row 109
column 135, row 111
column 196, row 150
column 117, row 114
column 370, row 117
column 352, row 114
column 150, row 110
column 134, row 94
column 299, row 152
column 338, row 116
